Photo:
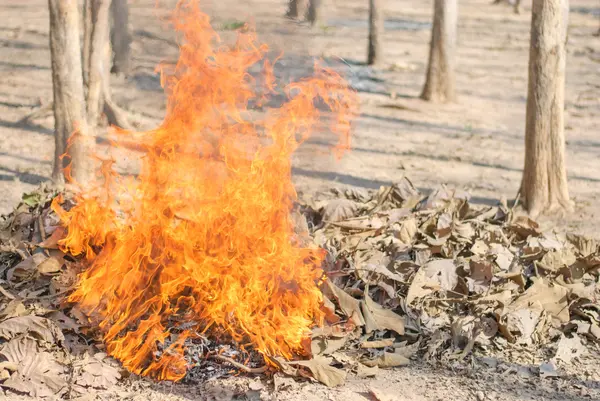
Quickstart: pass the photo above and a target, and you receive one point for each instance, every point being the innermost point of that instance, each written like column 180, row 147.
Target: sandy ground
column 476, row 144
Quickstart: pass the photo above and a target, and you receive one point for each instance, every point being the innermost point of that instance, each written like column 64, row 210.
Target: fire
column 201, row 241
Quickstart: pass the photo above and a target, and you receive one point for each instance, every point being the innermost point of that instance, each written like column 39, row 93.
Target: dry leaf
column 569, row 348
column 327, row 346
column 323, row 372
column 94, row 373
column 339, row 210
column 433, row 276
column 408, row 230
column 349, row 305
column 39, row 327
column 51, row 265
column 387, row 360
column 38, row 373
column 380, row 318
column 388, row 342
column 26, row 268
column 52, row 241
column 552, row 299
column 366, row 371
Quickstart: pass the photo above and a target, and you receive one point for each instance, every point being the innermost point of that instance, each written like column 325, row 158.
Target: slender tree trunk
column 440, row 81
column 544, row 185
column 87, row 40
column 120, row 36
column 97, row 59
column 69, row 112
column 296, row 9
column 376, row 26
column 314, row 12
column 517, row 7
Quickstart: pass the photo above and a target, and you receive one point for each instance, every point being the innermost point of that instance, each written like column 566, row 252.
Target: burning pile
column 202, row 240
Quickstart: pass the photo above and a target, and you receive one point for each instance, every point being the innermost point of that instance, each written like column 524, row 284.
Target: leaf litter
column 409, row 275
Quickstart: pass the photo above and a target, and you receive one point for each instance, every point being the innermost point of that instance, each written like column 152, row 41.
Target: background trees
column 81, row 77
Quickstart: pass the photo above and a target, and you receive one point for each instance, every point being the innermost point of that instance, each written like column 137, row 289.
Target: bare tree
column 440, row 81
column 99, row 97
column 296, row 8
column 69, row 111
column 98, row 52
column 544, row 185
column 120, row 37
column 313, row 14
column 376, row 26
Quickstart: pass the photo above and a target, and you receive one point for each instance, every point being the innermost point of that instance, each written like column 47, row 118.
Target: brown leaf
column 25, row 269
column 52, row 241
column 408, row 230
column 50, row 266
column 38, row 373
column 323, row 372
column 387, row 360
column 327, row 346
column 433, row 276
column 383, row 319
column 554, row 260
column 349, row 305
column 585, row 246
column 388, row 342
column 552, row 299
column 39, row 327
column 339, row 210
column 524, row 227
column 95, row 373
column 366, row 371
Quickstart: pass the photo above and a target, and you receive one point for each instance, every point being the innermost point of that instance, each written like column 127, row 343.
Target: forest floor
column 475, row 145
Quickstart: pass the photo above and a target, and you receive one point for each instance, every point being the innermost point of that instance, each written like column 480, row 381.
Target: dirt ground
column 475, row 145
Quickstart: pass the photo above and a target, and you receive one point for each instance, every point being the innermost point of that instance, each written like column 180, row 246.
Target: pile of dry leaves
column 46, row 349
column 433, row 276
column 438, row 276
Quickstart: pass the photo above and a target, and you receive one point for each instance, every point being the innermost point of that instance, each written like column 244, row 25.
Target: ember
column 202, row 241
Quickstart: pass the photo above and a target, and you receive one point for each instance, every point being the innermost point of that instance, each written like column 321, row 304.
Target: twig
column 41, row 227
column 239, row 365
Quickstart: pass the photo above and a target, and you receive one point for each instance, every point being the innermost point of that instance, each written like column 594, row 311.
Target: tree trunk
column 544, row 185
column 376, row 21
column 120, row 37
column 87, row 40
column 440, row 81
column 314, row 12
column 296, row 9
column 69, row 113
column 98, row 59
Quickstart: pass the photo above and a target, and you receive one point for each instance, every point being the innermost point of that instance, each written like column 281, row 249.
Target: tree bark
column 544, row 185
column 69, row 112
column 313, row 14
column 120, row 37
column 98, row 59
column 296, row 9
column 87, row 40
column 376, row 26
column 440, row 81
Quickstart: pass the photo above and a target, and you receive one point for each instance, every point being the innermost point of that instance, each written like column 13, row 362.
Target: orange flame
column 202, row 239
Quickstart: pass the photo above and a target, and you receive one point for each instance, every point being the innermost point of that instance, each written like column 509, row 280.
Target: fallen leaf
column 569, row 348
column 383, row 319
column 349, row 305
column 435, row 275
column 94, row 373
column 52, row 241
column 50, row 266
column 408, row 230
column 387, row 360
column 323, row 372
column 552, row 299
column 525, row 227
column 366, row 371
column 339, row 210
column 554, row 260
column 327, row 346
column 388, row 342
column 38, row 373
column 39, row 327
column 26, row 268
